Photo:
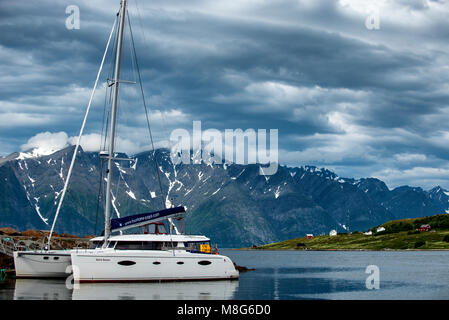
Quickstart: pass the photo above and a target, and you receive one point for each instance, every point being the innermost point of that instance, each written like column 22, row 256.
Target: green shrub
column 413, row 232
column 419, row 244
column 446, row 238
column 399, row 226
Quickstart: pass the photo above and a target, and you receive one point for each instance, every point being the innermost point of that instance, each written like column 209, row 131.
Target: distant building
column 424, row 227
column 369, row 233
column 380, row 229
column 333, row 233
column 309, row 236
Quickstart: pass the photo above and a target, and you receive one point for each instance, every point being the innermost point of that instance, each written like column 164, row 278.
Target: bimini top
column 141, row 219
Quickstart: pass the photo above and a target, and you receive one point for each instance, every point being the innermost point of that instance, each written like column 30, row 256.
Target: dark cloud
column 361, row 102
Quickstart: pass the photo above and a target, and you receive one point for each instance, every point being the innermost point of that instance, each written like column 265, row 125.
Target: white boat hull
column 149, row 265
column 42, row 264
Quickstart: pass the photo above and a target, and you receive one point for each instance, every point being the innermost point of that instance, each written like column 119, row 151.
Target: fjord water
column 283, row 275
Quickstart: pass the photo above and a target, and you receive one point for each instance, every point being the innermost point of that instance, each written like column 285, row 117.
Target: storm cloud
column 360, row 102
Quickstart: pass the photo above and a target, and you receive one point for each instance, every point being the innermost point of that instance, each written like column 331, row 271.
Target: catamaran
column 155, row 256
column 159, row 256
column 119, row 257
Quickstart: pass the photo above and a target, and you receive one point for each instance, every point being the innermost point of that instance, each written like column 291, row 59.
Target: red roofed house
column 424, row 227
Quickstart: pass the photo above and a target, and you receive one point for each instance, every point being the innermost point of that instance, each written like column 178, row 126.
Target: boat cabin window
column 96, row 244
column 145, row 245
column 138, row 245
column 112, row 244
column 151, row 245
column 199, row 247
column 170, row 245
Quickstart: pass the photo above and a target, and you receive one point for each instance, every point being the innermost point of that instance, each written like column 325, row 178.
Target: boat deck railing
column 7, row 246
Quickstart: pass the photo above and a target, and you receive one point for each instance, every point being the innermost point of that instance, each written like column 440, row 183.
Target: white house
column 369, row 233
column 333, row 233
column 380, row 229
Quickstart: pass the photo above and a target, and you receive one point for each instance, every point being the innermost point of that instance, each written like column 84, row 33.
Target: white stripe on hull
column 149, row 265
column 42, row 264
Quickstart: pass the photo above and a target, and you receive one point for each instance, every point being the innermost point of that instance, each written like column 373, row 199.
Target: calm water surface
column 278, row 275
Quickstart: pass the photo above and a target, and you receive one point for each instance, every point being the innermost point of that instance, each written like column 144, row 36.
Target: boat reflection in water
column 41, row 289
column 195, row 290
column 56, row 289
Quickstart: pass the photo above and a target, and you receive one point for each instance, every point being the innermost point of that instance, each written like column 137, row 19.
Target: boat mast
column 107, row 209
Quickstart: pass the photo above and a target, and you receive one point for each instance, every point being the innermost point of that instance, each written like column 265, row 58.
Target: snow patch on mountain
column 36, row 206
column 61, row 175
column 131, row 194
column 267, row 178
column 277, row 192
column 233, row 178
column 120, row 168
column 134, row 166
column 114, row 205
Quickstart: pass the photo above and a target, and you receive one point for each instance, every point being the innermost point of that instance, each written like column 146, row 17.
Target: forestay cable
column 79, row 138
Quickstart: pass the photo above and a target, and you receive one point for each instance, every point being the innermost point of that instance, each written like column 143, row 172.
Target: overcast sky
column 358, row 87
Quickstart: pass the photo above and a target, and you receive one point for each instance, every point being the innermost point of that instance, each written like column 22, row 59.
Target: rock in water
column 242, row 268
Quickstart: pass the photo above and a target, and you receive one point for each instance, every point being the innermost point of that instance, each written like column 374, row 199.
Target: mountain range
column 230, row 203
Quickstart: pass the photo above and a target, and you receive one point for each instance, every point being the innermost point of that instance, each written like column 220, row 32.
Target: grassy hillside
column 398, row 235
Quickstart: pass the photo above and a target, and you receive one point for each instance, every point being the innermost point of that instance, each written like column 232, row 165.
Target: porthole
column 45, row 258
column 55, row 258
column 204, row 262
column 156, row 262
column 126, row 263
column 180, row 262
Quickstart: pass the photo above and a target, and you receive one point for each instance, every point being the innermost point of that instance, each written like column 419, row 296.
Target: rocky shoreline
column 35, row 240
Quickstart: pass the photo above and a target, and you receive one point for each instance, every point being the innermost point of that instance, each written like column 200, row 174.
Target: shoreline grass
column 426, row 240
column 396, row 235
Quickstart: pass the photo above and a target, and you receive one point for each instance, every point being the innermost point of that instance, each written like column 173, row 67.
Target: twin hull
column 42, row 264
column 123, row 266
column 131, row 266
